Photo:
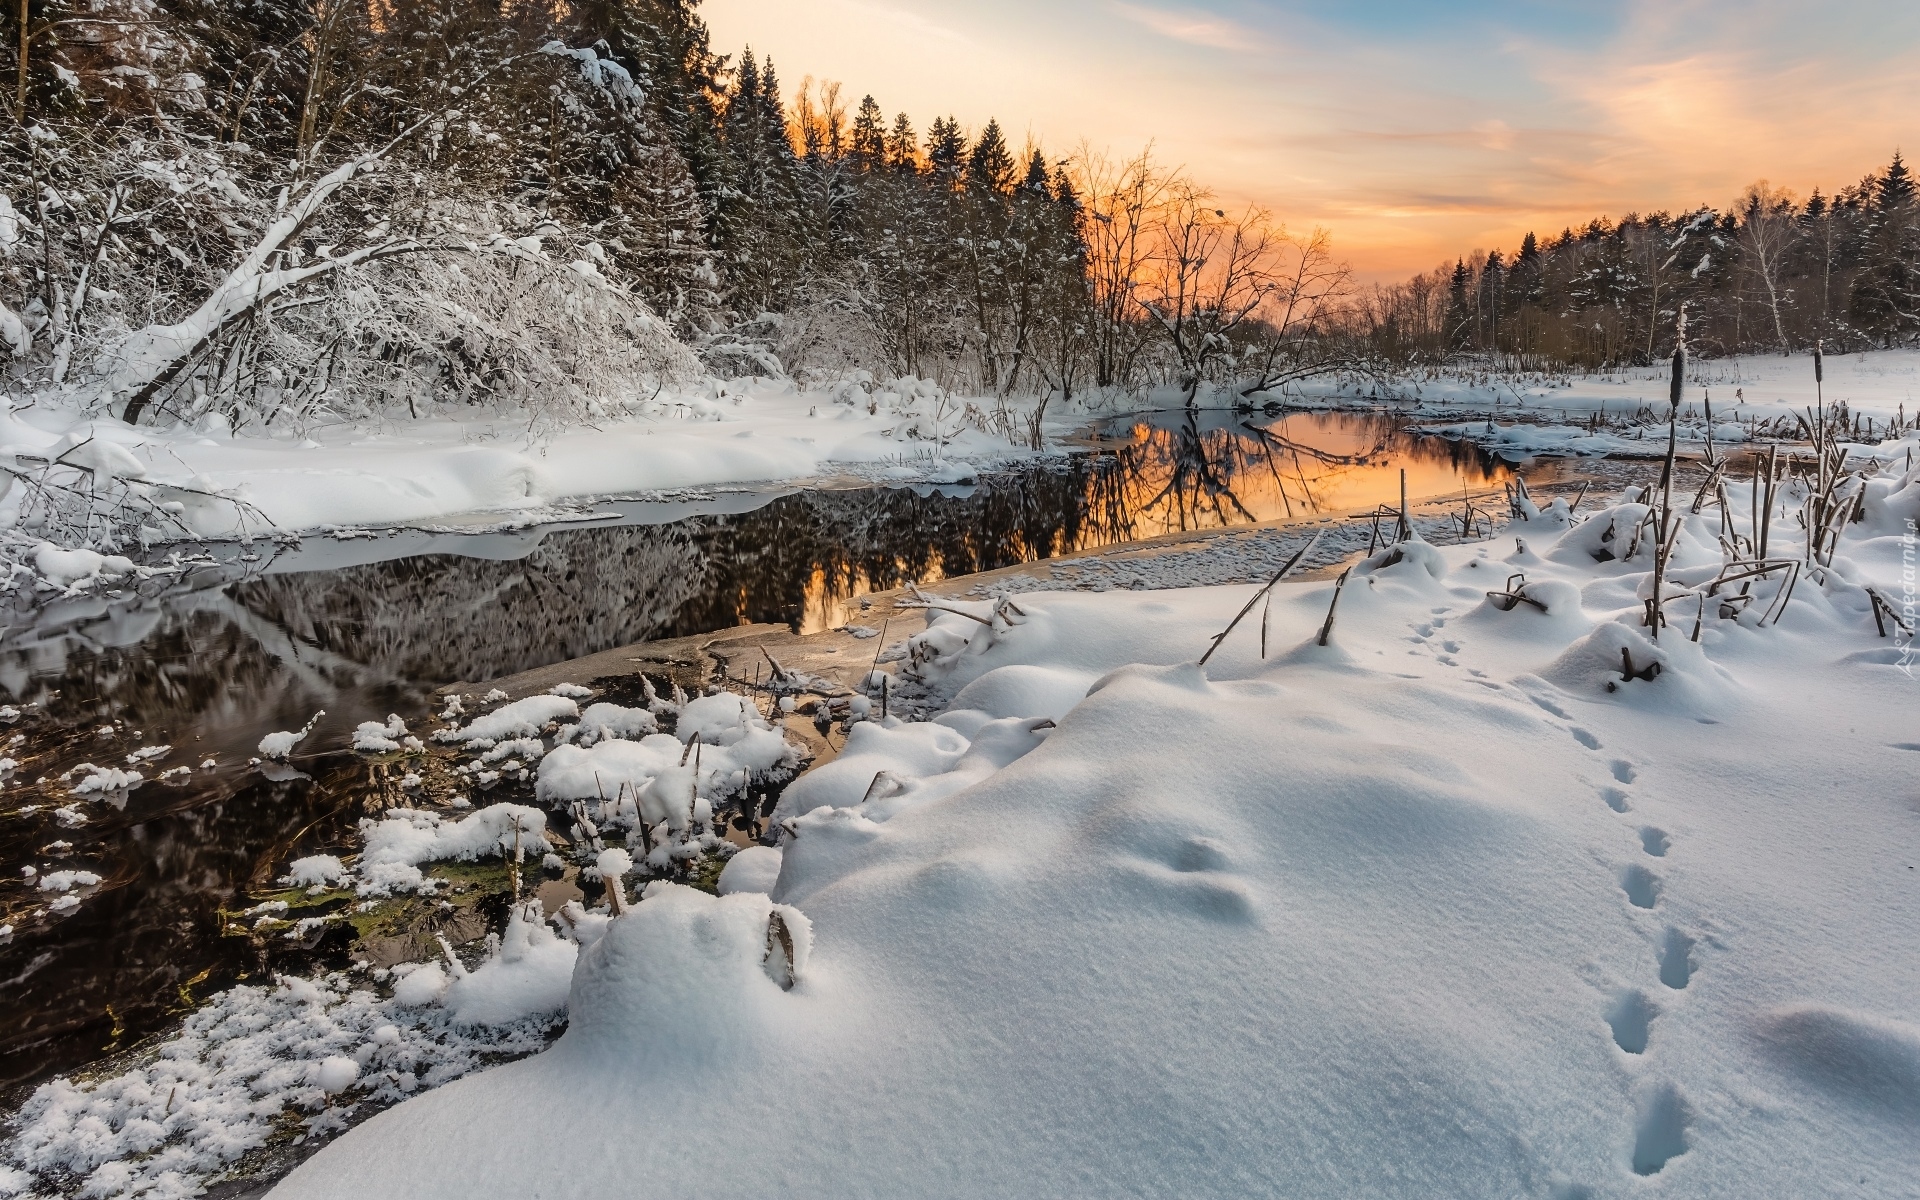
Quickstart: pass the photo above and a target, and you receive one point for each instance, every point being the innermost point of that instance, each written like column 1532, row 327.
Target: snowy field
column 1451, row 905
column 734, row 433
column 1472, row 889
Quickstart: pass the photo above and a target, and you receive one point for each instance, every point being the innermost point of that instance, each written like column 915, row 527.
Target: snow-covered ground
column 414, row 471
column 1450, row 906
column 1750, row 396
column 742, row 432
column 1877, row 383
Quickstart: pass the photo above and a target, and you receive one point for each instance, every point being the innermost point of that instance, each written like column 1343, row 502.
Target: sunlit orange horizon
column 1413, row 137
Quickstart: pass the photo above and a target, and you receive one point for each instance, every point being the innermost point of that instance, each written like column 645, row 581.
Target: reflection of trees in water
column 437, row 618
column 1200, row 471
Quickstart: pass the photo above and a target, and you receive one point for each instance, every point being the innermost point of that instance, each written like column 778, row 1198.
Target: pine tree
column 990, row 165
column 869, row 148
column 903, row 145
column 754, row 225
column 1459, row 321
column 1885, row 302
column 946, row 150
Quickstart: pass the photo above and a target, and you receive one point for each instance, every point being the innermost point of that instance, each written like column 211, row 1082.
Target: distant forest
column 1768, row 273
column 276, row 210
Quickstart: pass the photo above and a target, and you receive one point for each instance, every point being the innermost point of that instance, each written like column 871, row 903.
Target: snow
column 753, row 869
column 63, row 881
column 521, row 719
column 529, row 978
column 315, row 870
column 64, row 568
column 377, row 737
column 1428, row 910
column 355, row 475
column 275, row 747
column 336, row 1073
column 396, row 846
column 101, row 780
column 195, row 1104
column 604, row 722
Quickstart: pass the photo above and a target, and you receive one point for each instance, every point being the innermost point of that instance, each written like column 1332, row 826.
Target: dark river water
column 210, row 662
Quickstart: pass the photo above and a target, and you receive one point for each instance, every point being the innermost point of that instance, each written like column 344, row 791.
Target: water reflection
column 240, row 648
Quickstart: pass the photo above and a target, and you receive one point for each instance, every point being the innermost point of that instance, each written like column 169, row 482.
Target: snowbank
column 1399, row 916
column 355, row 474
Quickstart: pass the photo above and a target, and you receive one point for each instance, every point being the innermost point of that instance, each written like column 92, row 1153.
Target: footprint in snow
column 1660, row 1133
column 1616, row 799
column 1551, row 707
column 1584, row 738
column 1641, row 886
column 1676, row 959
column 1631, row 1019
column 1655, row 841
column 1623, row 770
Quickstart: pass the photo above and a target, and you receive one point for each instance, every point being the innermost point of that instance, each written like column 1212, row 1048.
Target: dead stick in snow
column 1326, row 630
column 1255, row 599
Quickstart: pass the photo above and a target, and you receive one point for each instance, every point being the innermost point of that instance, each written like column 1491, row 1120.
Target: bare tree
column 1210, row 275
column 1768, row 233
column 1123, row 202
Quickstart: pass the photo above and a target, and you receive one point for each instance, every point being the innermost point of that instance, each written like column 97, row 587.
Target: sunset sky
column 1414, row 131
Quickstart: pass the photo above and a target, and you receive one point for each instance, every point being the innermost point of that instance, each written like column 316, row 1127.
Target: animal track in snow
column 1615, row 798
column 1641, row 886
column 1622, row 770
column 1655, row 841
column 1450, row 646
column 1584, row 738
column 1676, row 959
column 1551, row 707
column 1660, row 1134
column 1631, row 1019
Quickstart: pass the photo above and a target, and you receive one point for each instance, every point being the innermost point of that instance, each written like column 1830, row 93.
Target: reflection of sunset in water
column 1175, row 472
column 1185, row 475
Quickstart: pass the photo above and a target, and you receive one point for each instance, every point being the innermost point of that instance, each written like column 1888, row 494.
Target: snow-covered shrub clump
column 721, row 747
column 395, row 847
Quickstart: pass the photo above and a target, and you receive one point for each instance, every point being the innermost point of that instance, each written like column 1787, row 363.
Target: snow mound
column 1618, row 660
column 1870, row 1061
column 529, row 977
column 522, row 718
column 684, row 978
column 65, row 568
column 754, row 869
column 606, row 722
column 275, row 747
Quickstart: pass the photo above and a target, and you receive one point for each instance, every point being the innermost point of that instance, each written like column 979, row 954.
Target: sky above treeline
column 1414, row 131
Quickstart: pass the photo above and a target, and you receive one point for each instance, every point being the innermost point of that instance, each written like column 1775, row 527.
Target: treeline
column 1768, row 273
column 285, row 209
